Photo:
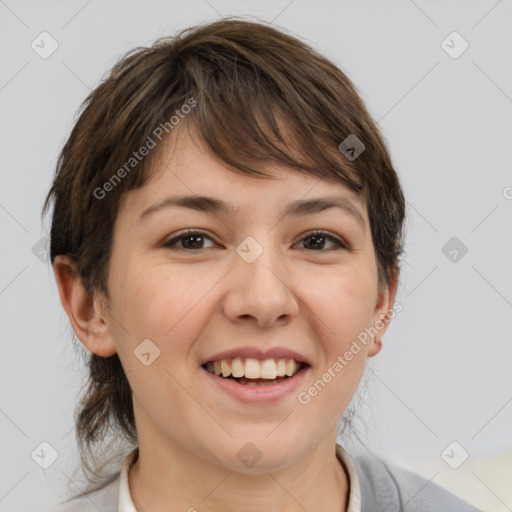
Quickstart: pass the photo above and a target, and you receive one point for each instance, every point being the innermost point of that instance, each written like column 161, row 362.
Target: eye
column 319, row 237
column 192, row 240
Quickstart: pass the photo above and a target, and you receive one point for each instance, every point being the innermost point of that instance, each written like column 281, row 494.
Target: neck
column 174, row 479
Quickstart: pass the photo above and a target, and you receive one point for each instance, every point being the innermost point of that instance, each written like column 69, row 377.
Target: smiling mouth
column 253, row 372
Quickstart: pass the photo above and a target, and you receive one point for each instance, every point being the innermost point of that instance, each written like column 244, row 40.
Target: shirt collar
column 354, row 497
column 125, row 503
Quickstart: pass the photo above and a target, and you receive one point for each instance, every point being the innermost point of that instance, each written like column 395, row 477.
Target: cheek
column 166, row 307
column 343, row 303
column 343, row 316
column 167, row 310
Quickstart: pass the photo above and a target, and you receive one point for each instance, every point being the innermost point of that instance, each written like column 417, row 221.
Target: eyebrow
column 217, row 206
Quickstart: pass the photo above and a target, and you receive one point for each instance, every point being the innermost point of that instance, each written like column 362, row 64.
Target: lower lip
column 265, row 393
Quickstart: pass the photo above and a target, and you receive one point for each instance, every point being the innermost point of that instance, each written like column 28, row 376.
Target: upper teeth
column 253, row 368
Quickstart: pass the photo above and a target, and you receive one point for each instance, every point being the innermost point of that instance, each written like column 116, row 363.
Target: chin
column 256, row 452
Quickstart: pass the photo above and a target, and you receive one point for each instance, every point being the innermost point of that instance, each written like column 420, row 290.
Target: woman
column 226, row 235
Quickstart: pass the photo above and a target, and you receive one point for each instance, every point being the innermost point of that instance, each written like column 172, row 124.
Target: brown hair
column 258, row 95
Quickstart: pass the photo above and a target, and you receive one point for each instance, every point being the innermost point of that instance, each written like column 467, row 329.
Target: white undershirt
column 125, row 503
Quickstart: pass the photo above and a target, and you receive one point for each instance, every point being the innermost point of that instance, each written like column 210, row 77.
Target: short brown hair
column 261, row 96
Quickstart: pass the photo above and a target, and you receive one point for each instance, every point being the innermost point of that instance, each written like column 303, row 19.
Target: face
column 250, row 289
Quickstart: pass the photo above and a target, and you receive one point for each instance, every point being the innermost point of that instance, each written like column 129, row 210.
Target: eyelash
column 171, row 244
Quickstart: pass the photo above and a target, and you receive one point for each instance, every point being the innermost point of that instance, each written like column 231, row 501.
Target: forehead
column 185, row 173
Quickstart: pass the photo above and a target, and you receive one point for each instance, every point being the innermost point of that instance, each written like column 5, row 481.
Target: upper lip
column 257, row 353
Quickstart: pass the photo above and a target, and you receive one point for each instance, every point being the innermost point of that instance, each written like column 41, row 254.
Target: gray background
column 444, row 373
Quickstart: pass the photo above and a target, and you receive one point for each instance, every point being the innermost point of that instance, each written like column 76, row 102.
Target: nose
column 260, row 291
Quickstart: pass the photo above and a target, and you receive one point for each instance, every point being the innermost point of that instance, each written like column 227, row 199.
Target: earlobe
column 375, row 347
column 88, row 319
column 383, row 309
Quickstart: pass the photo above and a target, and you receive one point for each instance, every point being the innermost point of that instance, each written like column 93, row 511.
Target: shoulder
column 387, row 487
column 104, row 499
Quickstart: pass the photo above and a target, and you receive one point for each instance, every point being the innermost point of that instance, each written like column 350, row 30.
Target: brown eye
column 318, row 240
column 190, row 240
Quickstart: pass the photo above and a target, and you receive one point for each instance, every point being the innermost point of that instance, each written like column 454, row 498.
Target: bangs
column 253, row 109
column 251, row 134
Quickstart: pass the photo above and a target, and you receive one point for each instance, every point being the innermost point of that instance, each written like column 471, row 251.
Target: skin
column 198, row 303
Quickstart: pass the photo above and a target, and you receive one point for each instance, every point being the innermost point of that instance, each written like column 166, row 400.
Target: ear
column 88, row 319
column 384, row 312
